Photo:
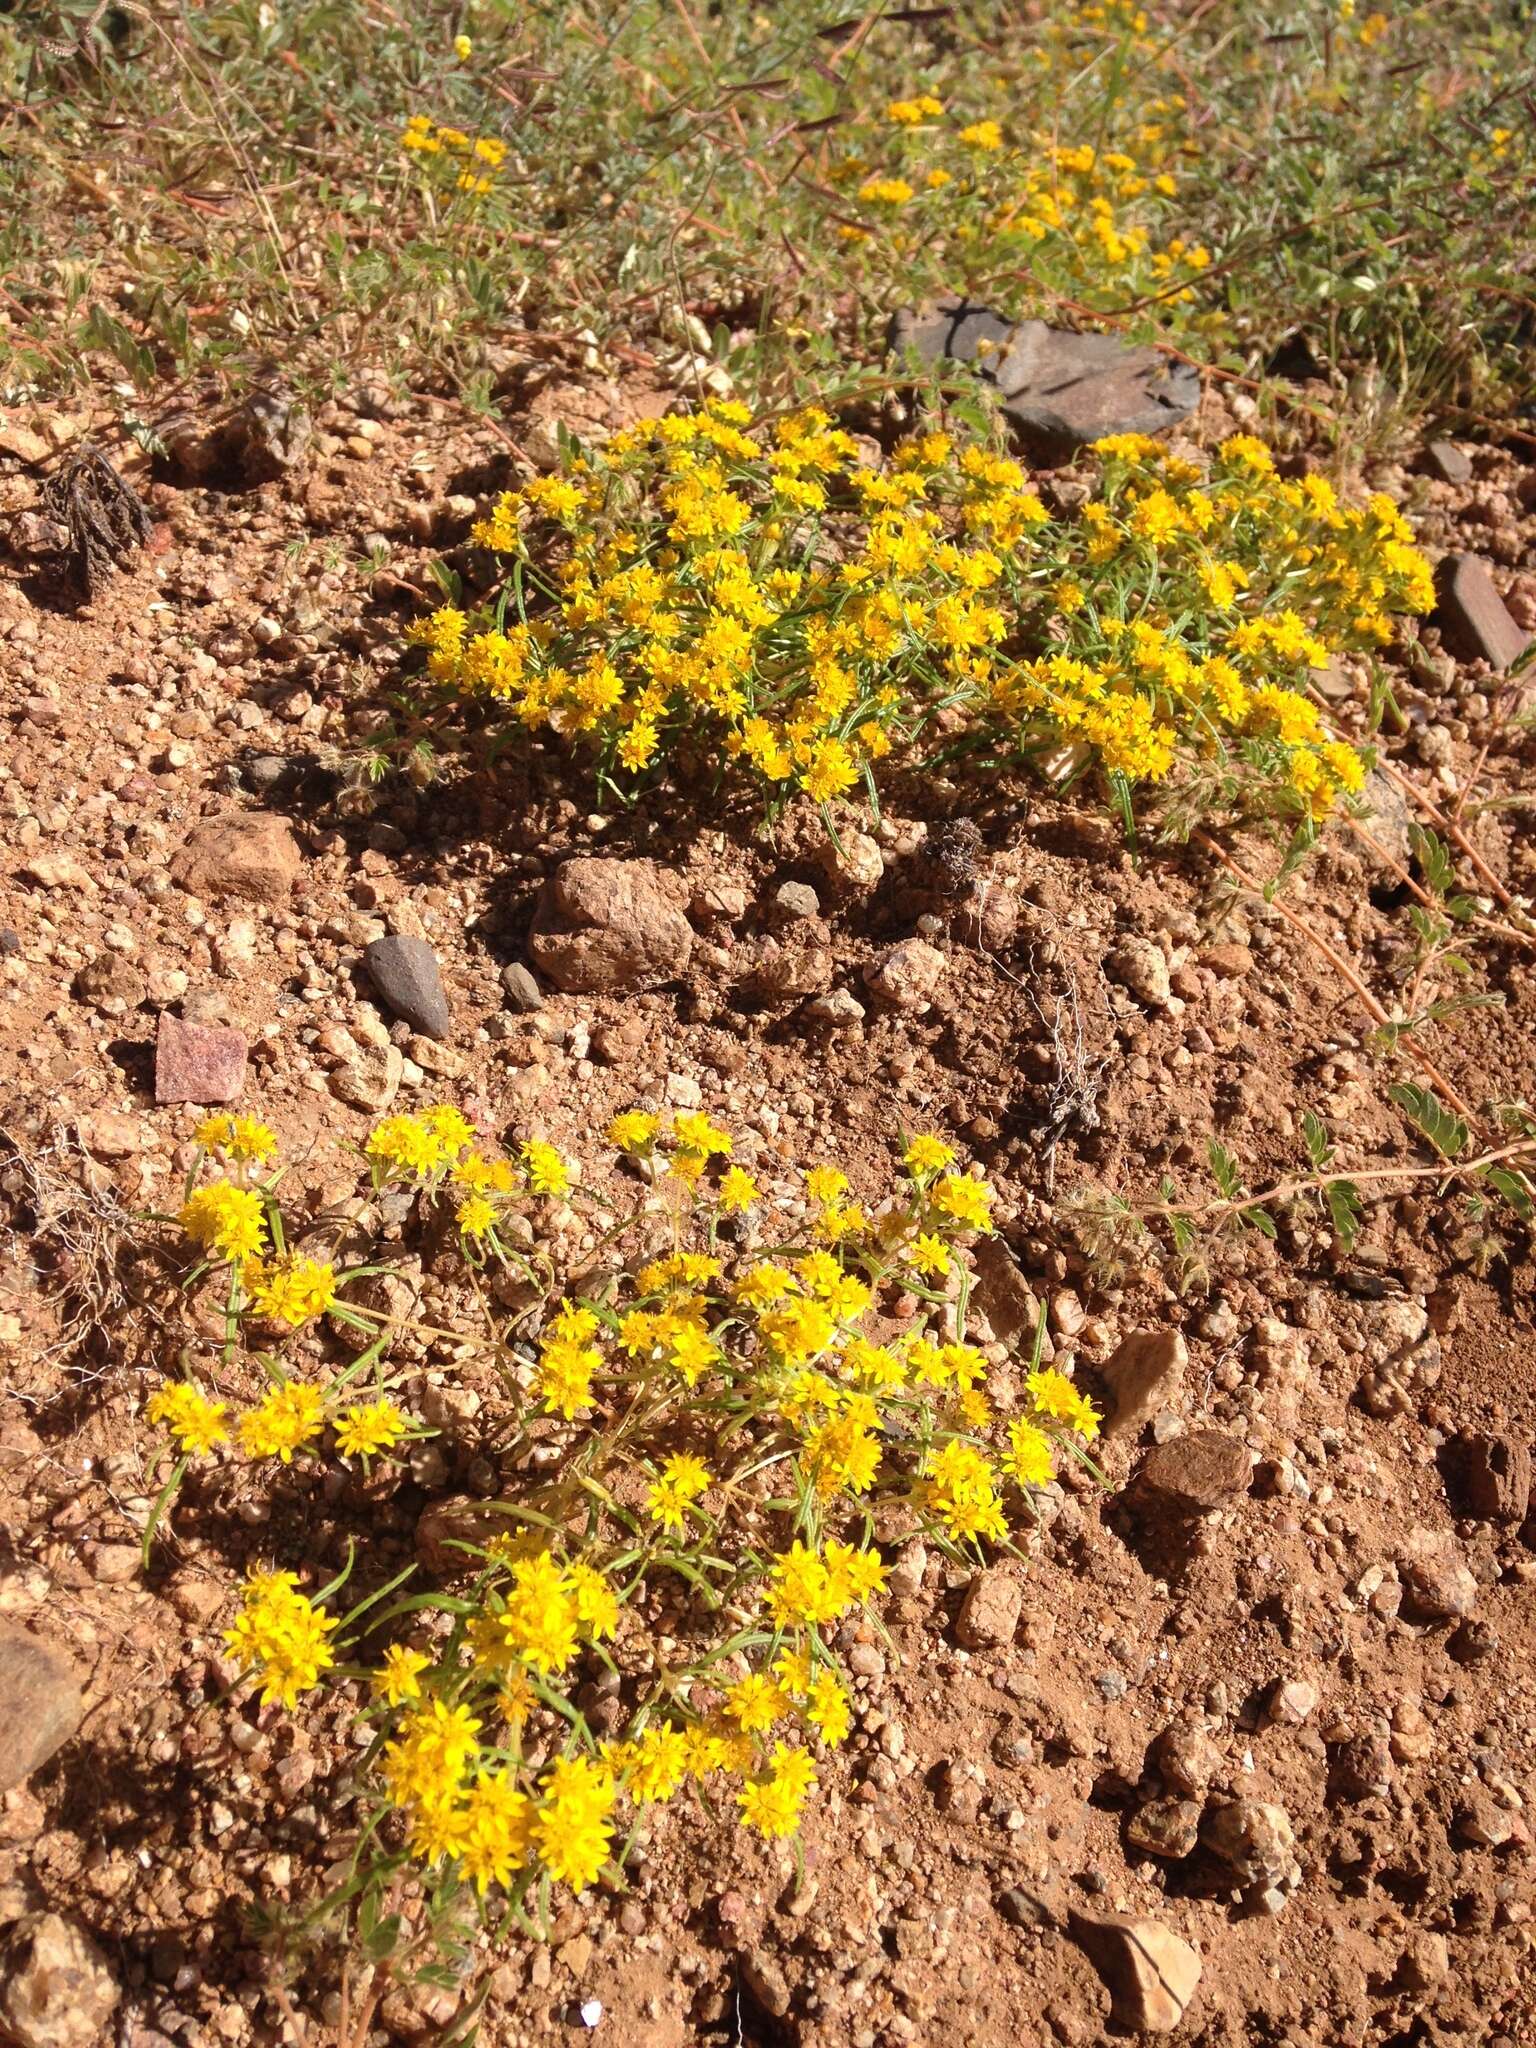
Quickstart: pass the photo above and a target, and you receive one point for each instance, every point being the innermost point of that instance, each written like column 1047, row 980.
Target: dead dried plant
column 65, row 1227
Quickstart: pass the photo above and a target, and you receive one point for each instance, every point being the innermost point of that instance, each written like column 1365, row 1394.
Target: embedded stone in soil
column 56, row 1990
column 1194, row 1473
column 520, row 988
column 1151, row 1973
column 611, row 924
column 404, row 970
column 1494, row 1473
column 1448, row 463
column 1059, row 390
column 1474, row 620
column 40, row 1704
column 247, row 855
column 1146, row 1373
column 991, row 1609
column 202, row 1063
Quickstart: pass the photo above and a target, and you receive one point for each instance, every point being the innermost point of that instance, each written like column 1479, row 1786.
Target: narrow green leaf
column 1435, row 863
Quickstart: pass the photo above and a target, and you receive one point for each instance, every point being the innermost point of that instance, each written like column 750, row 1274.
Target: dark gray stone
column 264, row 772
column 1473, row 619
column 1021, row 1907
column 797, row 899
column 404, row 971
column 522, row 991
column 1059, row 390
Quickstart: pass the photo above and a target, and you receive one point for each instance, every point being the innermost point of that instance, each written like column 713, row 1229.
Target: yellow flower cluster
column 533, row 1620
column 287, row 1419
column 535, row 1615
column 1194, row 609
column 231, row 1224
column 195, row 1424
column 985, row 205
column 491, row 1774
column 421, row 1146
column 228, row 1222
column 479, row 157
column 683, row 1478
column 435, row 1147
column 367, row 1429
column 272, row 1286
column 280, row 1636
column 761, row 586
column 241, row 1138
column 292, row 1289
column 764, row 587
column 567, row 1361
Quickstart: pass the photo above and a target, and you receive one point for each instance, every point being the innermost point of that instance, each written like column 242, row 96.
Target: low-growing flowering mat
column 724, row 1411
column 762, row 594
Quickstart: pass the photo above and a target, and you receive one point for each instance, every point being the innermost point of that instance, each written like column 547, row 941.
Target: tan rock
column 1194, row 1473
column 40, row 1703
column 55, row 1988
column 1254, row 1839
column 612, row 924
column 990, row 1612
column 249, row 856
column 906, row 975
column 1150, row 1972
column 1145, row 1374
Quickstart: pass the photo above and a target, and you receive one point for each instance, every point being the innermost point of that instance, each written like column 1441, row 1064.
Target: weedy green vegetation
column 1114, row 1231
column 331, row 189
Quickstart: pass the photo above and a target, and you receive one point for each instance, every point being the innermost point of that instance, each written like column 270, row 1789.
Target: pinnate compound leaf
column 1446, row 1131
column 1344, row 1209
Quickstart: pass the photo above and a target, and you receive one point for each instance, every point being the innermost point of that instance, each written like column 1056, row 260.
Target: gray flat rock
column 1448, row 463
column 1474, row 620
column 1059, row 390
column 522, row 990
